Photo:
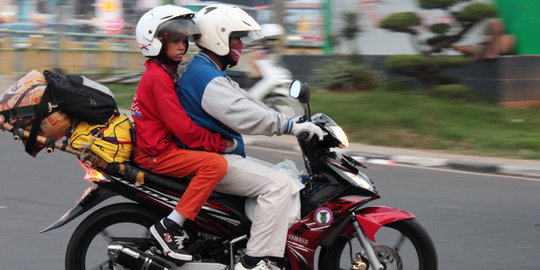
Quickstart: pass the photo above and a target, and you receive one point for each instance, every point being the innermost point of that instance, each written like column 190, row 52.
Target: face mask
column 236, row 50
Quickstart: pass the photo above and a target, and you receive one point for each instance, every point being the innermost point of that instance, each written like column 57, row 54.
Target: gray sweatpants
column 249, row 177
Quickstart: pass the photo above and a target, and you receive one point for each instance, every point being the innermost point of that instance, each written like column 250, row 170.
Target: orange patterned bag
column 19, row 105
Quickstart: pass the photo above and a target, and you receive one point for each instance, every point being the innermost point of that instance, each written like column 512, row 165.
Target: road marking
column 515, row 177
column 2, row 206
column 379, row 162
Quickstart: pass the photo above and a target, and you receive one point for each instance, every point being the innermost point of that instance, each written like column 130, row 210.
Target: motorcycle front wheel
column 87, row 248
column 401, row 245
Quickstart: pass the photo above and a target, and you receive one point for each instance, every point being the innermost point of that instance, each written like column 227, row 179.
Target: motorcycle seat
column 170, row 184
column 167, row 183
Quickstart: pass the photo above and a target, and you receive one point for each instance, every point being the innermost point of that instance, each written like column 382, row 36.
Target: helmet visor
column 179, row 27
column 247, row 36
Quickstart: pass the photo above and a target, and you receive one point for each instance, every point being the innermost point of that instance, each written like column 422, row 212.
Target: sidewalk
column 425, row 158
column 385, row 155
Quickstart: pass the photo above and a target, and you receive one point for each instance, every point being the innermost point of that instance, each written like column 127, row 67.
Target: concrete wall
column 512, row 80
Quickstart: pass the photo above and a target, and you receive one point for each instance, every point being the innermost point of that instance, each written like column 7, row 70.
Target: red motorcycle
column 335, row 223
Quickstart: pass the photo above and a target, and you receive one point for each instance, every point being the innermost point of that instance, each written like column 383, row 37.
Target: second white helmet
column 148, row 25
column 217, row 22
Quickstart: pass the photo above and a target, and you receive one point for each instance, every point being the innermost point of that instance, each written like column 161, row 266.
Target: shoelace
column 179, row 239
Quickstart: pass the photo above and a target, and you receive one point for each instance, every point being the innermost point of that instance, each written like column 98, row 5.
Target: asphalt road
column 476, row 221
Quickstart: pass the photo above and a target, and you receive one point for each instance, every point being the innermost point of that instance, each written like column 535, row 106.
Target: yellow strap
column 140, row 179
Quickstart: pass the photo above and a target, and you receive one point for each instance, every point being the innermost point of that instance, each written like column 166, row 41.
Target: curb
column 383, row 159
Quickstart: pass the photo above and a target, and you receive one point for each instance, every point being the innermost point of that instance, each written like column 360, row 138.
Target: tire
column 416, row 252
column 86, row 250
column 283, row 104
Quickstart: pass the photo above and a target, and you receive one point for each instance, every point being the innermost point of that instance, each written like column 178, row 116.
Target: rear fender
column 371, row 219
column 90, row 198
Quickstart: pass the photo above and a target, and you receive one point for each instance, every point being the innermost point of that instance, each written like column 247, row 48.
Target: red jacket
column 159, row 117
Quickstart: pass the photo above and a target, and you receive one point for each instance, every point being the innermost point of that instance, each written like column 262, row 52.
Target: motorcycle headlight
column 340, row 135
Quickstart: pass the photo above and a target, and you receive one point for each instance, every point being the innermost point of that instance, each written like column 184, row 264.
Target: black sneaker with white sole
column 172, row 239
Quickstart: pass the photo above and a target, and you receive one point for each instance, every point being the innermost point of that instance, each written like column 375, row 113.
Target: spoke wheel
column 402, row 245
column 87, row 248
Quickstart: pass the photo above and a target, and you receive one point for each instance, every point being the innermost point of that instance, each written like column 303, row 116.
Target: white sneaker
column 273, row 265
column 261, row 265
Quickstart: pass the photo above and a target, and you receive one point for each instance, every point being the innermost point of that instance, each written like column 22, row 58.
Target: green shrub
column 344, row 75
column 408, row 65
column 457, row 92
column 445, row 78
column 450, row 61
column 399, row 85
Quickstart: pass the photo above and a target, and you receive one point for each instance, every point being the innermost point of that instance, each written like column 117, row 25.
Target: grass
column 417, row 121
column 407, row 119
column 123, row 93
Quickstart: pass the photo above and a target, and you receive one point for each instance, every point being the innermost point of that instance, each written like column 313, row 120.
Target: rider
column 162, row 36
column 217, row 103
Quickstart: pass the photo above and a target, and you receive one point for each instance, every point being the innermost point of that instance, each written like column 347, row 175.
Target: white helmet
column 217, row 22
column 147, row 27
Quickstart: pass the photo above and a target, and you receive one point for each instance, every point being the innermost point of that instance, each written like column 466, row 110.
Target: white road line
column 378, row 162
column 2, row 206
column 516, row 177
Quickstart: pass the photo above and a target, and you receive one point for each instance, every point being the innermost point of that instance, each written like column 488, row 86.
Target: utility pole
column 279, row 12
column 59, row 28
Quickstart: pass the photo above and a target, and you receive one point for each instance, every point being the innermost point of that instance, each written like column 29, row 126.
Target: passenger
column 162, row 36
column 217, row 103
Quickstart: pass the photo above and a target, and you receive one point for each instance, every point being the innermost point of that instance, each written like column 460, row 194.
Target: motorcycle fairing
column 304, row 237
column 351, row 174
column 371, row 219
column 90, row 198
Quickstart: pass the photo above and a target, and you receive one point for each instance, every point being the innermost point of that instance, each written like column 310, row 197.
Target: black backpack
column 75, row 95
column 81, row 97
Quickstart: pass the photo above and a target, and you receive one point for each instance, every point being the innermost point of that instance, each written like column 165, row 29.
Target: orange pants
column 206, row 168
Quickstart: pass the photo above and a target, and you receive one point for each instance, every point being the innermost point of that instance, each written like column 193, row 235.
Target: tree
column 350, row 30
column 409, row 22
column 466, row 18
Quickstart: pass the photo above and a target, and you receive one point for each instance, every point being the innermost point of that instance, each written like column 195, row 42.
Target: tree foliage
column 439, row 28
column 426, row 66
column 467, row 17
column 351, row 29
column 475, row 12
column 401, row 22
column 431, row 4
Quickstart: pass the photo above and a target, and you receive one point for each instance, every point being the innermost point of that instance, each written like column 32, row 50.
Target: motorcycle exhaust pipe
column 132, row 258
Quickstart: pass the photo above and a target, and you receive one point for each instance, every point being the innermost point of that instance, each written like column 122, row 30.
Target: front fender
column 90, row 198
column 371, row 219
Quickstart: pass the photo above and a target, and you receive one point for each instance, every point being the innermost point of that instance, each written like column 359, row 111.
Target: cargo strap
column 41, row 113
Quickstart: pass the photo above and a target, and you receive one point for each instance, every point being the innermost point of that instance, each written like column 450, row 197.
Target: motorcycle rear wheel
column 87, row 250
column 401, row 245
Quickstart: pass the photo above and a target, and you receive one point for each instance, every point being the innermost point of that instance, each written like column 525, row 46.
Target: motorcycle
column 335, row 221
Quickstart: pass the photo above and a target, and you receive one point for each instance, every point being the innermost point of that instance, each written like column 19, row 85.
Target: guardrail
column 21, row 51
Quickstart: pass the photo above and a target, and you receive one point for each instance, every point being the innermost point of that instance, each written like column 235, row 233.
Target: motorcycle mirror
column 299, row 90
